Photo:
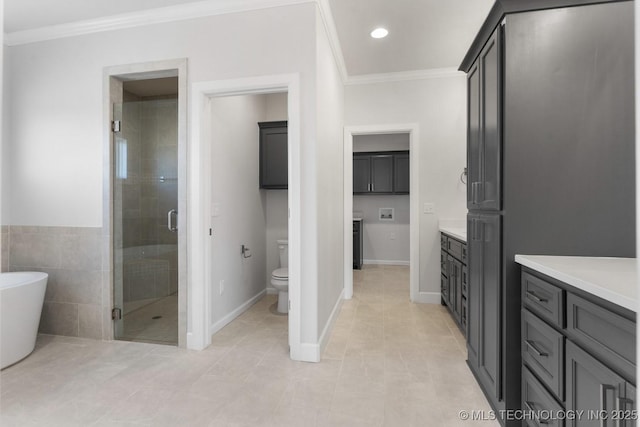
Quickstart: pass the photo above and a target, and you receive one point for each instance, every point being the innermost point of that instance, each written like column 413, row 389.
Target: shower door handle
column 170, row 215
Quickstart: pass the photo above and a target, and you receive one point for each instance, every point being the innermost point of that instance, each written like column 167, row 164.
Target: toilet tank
column 283, row 248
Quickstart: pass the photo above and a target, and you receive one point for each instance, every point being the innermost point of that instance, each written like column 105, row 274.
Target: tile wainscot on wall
column 73, row 258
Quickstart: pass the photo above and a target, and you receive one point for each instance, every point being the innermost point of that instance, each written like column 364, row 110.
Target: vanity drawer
column 443, row 241
column 464, row 253
column 454, row 247
column 443, row 263
column 543, row 352
column 608, row 335
column 544, row 299
column 536, row 400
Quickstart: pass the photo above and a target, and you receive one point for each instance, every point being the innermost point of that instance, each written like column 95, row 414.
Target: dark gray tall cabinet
column 550, row 160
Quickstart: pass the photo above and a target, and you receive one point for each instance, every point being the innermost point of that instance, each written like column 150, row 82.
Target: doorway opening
column 203, row 210
column 144, row 196
column 372, row 156
column 249, row 199
column 145, row 190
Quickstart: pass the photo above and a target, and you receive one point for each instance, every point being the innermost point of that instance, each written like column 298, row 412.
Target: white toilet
column 280, row 277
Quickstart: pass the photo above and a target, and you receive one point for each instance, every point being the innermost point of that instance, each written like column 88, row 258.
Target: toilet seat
column 280, row 274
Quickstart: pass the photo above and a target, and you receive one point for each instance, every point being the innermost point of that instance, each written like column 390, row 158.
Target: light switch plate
column 429, row 208
column 215, row 209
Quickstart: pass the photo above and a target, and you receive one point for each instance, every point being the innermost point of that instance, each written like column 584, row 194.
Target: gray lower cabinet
column 453, row 278
column 484, row 303
column 540, row 127
column 584, row 367
column 273, row 155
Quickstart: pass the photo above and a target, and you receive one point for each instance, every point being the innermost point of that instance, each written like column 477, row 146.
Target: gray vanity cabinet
column 484, row 301
column 578, row 354
column 273, row 155
column 453, row 278
column 595, row 389
column 550, row 114
column 484, row 138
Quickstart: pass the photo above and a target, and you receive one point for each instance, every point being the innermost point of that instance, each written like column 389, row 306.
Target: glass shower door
column 145, row 192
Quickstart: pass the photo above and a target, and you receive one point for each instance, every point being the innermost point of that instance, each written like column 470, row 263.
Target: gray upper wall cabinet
column 401, row 180
column 384, row 172
column 550, row 155
column 273, row 155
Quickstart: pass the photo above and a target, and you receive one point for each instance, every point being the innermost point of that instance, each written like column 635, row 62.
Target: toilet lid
column 281, row 273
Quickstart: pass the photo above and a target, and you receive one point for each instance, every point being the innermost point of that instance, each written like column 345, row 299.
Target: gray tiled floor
column 155, row 323
column 388, row 362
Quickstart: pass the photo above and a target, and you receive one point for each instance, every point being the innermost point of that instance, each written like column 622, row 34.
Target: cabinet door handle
column 529, row 407
column 475, row 192
column 621, row 407
column 478, row 228
column 532, row 346
column 533, row 296
column 604, row 388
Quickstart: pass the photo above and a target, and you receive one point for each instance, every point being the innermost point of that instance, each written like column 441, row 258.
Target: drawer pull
column 604, row 388
column 529, row 407
column 535, row 350
column 621, row 407
column 533, row 296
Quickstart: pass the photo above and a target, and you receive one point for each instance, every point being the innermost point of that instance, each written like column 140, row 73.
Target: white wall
column 57, row 97
column 381, row 142
column 384, row 242
column 242, row 217
column 439, row 108
column 330, row 207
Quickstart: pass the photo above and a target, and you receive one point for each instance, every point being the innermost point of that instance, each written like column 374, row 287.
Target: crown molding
column 144, row 17
column 332, row 34
column 435, row 73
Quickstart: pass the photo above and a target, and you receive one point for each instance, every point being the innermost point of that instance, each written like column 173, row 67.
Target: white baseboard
column 313, row 352
column 326, row 332
column 384, row 262
column 235, row 313
column 428, row 298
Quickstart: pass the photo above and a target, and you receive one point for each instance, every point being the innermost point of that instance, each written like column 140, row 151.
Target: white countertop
column 357, row 219
column 612, row 279
column 457, row 232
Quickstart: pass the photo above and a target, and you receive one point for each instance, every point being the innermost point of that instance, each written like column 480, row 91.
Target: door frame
column 200, row 286
column 113, row 77
column 414, row 192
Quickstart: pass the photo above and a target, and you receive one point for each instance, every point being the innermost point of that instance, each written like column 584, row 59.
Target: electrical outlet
column 221, row 286
column 429, row 208
column 392, row 236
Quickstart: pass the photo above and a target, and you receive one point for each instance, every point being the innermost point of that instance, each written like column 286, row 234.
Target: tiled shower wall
column 75, row 259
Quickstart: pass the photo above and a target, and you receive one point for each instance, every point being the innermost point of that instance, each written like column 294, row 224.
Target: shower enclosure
column 145, row 191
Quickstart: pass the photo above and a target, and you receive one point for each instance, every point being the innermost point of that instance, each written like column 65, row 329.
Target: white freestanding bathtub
column 21, row 299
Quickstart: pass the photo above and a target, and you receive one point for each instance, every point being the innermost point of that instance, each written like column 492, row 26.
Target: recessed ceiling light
column 379, row 33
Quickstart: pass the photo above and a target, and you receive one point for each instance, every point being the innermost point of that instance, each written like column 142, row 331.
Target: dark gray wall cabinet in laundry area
column 384, row 172
column 273, row 155
column 550, row 158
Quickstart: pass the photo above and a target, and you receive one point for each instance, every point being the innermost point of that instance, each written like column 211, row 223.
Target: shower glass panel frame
column 145, row 237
